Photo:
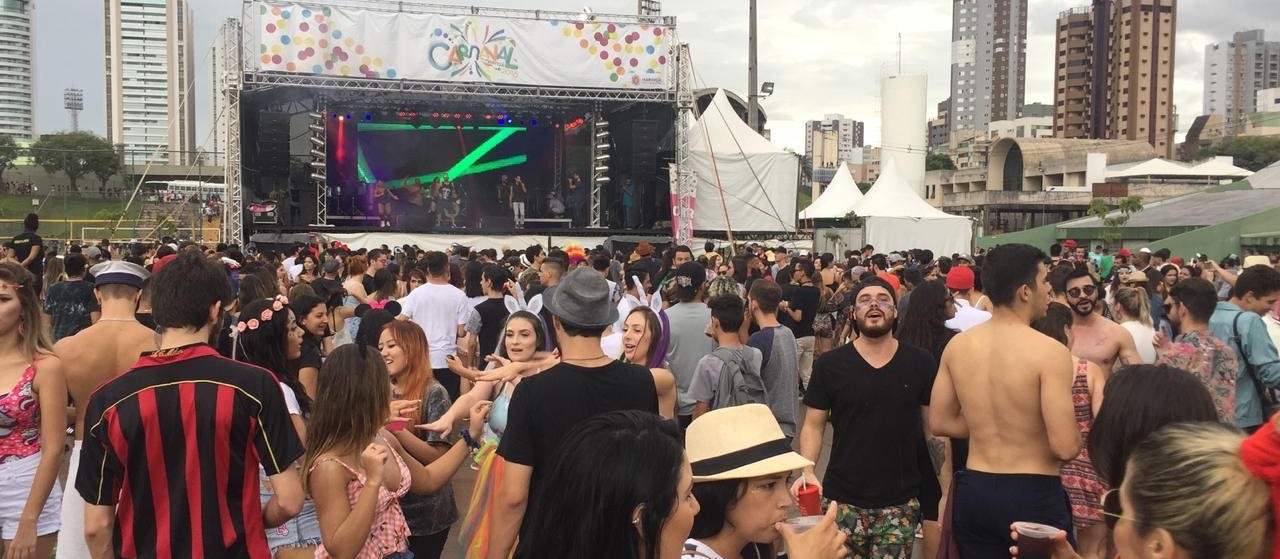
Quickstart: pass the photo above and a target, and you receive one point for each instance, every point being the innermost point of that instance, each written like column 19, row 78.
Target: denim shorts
column 400, row 555
column 300, row 531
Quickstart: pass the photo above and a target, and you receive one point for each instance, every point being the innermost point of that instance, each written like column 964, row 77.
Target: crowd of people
column 649, row 402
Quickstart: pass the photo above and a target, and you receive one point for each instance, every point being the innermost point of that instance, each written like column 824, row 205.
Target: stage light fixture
column 316, row 128
column 468, row 116
column 341, row 118
column 317, row 153
column 602, row 124
column 317, row 177
column 457, row 115
column 316, row 116
column 602, row 146
column 317, row 164
column 435, row 115
column 602, row 169
column 319, row 142
column 533, row 122
column 602, row 157
column 348, row 116
column 602, row 134
column 368, row 116
column 602, row 180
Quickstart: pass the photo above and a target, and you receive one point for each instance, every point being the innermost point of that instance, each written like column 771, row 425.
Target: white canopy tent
column 839, row 198
column 745, row 183
column 896, row 218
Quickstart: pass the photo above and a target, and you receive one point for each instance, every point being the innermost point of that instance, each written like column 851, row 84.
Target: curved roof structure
column 1044, row 155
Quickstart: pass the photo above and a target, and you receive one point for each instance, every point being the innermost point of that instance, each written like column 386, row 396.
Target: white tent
column 896, row 218
column 745, row 183
column 839, row 198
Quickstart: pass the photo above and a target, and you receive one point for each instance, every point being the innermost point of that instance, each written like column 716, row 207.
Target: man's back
column 114, row 347
column 781, row 374
column 175, row 444
column 546, row 406
column 689, row 342
column 69, row 304
column 438, row 309
column 1004, row 375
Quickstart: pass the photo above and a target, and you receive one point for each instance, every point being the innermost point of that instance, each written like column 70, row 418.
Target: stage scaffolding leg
column 686, row 181
column 600, row 148
column 232, row 200
column 319, row 161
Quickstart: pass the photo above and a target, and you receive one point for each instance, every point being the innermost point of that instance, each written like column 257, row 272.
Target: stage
column 460, row 121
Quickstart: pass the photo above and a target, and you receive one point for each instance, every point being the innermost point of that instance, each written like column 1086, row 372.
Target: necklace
column 117, row 320
column 601, row 356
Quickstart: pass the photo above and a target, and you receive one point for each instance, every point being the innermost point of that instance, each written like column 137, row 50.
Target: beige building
column 150, row 79
column 1114, row 73
column 1073, row 74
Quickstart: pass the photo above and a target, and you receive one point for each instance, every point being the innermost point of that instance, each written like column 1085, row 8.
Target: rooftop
column 1201, row 209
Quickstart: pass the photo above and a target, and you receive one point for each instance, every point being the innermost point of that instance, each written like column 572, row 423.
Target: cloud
column 826, row 56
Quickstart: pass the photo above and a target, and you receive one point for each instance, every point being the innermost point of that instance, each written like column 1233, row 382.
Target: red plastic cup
column 809, row 500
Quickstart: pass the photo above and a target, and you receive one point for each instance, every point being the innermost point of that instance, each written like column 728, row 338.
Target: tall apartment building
column 1073, row 74
column 988, row 64
column 17, row 86
column 832, row 140
column 150, row 67
column 1114, row 72
column 939, row 135
column 1235, row 71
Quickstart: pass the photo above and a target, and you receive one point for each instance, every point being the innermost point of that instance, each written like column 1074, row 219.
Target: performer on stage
column 519, row 193
column 504, row 194
column 579, row 201
column 383, row 196
column 448, row 204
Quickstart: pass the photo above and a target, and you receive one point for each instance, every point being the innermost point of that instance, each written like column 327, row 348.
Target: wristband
column 466, row 436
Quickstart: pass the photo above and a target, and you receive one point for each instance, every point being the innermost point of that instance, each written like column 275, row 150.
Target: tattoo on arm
column 937, row 453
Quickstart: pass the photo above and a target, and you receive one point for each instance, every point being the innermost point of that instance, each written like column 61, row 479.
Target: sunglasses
column 1111, row 509
column 1087, row 290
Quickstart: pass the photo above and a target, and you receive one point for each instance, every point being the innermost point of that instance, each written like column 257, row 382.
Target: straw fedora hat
column 1256, row 260
column 739, row 442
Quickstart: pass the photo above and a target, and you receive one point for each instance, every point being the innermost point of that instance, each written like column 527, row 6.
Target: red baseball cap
column 1124, row 252
column 892, row 279
column 960, row 278
column 1069, row 244
column 1176, row 260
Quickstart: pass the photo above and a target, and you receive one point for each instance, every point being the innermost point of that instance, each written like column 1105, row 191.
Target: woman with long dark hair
column 268, row 335
column 924, row 325
column 644, row 342
column 356, row 470
column 313, row 316
column 642, row 505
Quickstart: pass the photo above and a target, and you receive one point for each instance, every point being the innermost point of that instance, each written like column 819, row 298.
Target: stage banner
column 327, row 41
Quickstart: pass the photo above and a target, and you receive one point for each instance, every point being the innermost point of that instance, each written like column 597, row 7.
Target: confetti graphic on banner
column 307, row 41
column 628, row 53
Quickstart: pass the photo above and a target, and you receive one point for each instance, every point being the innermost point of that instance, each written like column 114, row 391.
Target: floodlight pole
column 753, row 96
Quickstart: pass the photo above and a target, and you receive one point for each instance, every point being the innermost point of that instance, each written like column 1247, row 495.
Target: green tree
column 104, row 165
column 1250, row 152
column 69, row 152
column 937, row 161
column 9, row 152
column 1111, row 224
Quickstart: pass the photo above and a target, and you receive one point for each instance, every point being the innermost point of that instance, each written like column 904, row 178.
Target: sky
column 825, row 56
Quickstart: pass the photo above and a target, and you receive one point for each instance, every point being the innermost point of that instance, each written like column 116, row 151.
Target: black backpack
column 738, row 383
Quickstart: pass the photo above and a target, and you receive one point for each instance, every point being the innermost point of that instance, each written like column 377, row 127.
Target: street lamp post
column 753, row 96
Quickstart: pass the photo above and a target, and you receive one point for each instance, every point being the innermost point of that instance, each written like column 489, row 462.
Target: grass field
column 60, row 213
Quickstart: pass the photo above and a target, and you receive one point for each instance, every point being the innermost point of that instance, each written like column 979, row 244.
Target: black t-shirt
column 493, row 313
column 803, row 298
column 546, row 406
column 311, row 356
column 783, row 277
column 876, row 417
column 22, row 245
column 367, row 281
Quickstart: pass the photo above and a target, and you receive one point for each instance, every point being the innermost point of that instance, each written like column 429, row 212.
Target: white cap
column 1144, row 250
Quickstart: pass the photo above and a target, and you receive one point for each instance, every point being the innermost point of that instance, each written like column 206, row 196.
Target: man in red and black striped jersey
column 169, row 464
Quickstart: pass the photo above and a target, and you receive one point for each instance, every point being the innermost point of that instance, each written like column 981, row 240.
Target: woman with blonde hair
column 35, row 429
column 1132, row 311
column 54, row 271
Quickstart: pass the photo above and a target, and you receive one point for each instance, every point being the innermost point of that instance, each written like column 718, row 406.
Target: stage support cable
column 600, row 153
column 319, row 161
column 232, row 80
column 686, row 181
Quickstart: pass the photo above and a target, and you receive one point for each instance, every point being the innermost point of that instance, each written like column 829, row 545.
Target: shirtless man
column 1096, row 339
column 1008, row 389
column 93, row 356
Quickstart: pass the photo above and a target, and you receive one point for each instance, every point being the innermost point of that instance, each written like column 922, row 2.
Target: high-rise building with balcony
column 17, row 88
column 988, row 64
column 1235, row 71
column 1073, row 74
column 150, row 79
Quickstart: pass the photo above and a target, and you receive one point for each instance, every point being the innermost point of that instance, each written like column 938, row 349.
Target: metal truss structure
column 232, row 199
column 451, row 91
column 412, row 7
column 601, row 146
column 320, row 162
column 686, row 184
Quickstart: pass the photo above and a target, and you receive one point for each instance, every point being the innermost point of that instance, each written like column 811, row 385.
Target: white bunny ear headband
column 518, row 303
column 653, row 301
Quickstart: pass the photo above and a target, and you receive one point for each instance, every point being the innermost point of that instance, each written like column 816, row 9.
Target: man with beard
column 1095, row 338
column 875, row 392
column 1007, row 388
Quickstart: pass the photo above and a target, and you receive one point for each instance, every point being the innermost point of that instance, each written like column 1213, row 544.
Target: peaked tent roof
column 720, row 126
column 1157, row 167
column 839, row 198
column 1220, row 167
column 891, row 196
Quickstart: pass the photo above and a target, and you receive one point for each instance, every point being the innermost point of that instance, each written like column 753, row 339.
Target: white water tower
column 904, row 134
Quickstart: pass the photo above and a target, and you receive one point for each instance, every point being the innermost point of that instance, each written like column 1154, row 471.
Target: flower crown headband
column 278, row 304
